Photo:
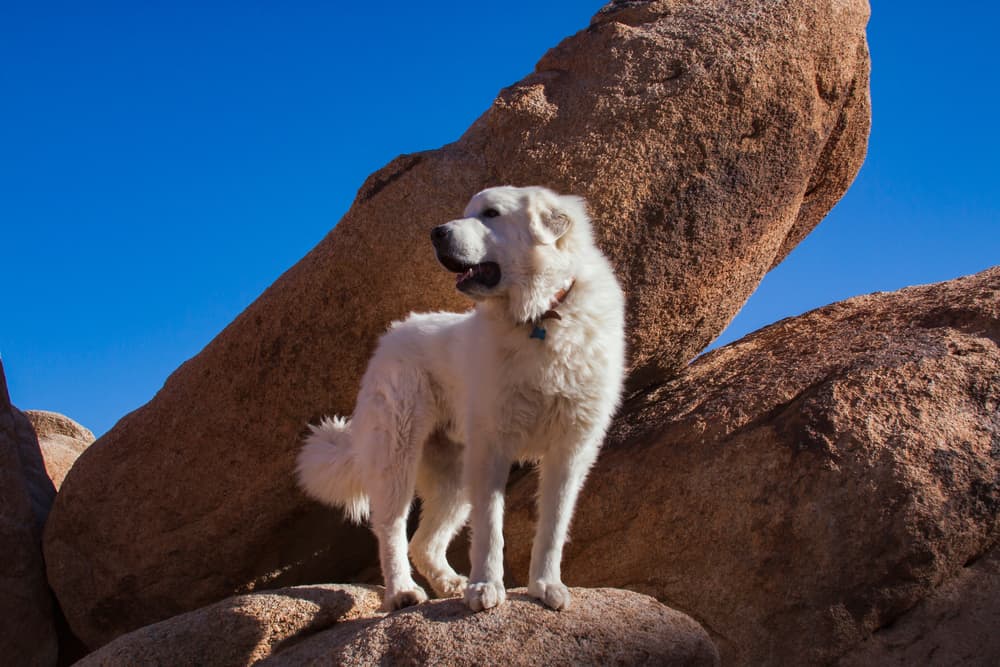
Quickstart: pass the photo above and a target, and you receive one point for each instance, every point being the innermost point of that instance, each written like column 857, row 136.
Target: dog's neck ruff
column 537, row 330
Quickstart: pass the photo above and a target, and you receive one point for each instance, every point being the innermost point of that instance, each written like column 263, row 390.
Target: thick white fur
column 479, row 379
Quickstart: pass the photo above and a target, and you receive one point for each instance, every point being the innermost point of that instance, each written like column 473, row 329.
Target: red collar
column 557, row 300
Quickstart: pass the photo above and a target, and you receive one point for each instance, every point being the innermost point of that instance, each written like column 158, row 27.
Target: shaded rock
column 708, row 139
column 27, row 634
column 956, row 625
column 805, row 486
column 61, row 439
column 338, row 625
column 41, row 491
column 240, row 630
column 56, row 442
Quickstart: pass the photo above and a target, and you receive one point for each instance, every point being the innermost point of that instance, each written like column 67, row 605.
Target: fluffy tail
column 327, row 468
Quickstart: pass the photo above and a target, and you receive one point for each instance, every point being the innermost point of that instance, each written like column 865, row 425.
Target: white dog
column 533, row 373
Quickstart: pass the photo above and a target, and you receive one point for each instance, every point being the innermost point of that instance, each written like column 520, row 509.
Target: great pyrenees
column 449, row 400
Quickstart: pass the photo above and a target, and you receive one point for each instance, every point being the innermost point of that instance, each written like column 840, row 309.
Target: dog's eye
column 491, row 213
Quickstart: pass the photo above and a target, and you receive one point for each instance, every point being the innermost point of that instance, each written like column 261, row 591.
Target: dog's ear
column 549, row 218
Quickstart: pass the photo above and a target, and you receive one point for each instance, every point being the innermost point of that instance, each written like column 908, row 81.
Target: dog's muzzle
column 468, row 275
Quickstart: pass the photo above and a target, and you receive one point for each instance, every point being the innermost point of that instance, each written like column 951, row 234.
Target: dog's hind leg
column 398, row 421
column 444, row 510
column 561, row 475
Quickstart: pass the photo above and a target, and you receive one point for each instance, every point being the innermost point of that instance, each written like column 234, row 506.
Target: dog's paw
column 450, row 587
column 484, row 595
column 553, row 593
column 403, row 598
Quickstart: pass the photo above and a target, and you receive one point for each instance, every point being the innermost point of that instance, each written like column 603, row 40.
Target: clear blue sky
column 161, row 164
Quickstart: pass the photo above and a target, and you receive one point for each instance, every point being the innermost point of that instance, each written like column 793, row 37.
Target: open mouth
column 486, row 274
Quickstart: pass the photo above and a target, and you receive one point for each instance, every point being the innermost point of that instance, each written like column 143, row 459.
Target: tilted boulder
column 803, row 487
column 27, row 630
column 61, row 439
column 708, row 137
column 340, row 625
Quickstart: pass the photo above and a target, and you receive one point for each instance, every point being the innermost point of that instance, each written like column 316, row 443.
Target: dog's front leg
column 486, row 470
column 561, row 474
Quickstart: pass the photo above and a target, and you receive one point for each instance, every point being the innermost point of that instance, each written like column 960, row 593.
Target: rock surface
column 805, row 486
column 27, row 633
column 955, row 626
column 339, row 625
column 61, row 439
column 708, row 139
column 241, row 630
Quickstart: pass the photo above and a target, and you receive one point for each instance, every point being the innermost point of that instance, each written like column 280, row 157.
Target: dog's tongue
column 462, row 277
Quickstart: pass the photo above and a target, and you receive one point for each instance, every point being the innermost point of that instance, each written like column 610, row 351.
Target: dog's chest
column 542, row 398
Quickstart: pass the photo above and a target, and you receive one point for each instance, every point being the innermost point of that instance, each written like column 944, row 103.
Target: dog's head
column 515, row 243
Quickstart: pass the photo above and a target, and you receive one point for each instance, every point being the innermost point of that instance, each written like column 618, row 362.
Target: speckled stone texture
column 338, row 625
column 803, row 487
column 709, row 137
column 956, row 626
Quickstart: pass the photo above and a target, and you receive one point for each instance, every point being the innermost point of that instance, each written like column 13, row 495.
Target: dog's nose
column 439, row 233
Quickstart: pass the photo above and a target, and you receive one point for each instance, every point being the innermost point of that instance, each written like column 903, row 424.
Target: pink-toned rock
column 802, row 488
column 61, row 439
column 339, row 625
column 27, row 633
column 708, row 138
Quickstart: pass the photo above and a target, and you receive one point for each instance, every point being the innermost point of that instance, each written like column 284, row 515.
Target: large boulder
column 340, row 625
column 61, row 439
column 709, row 139
column 27, row 633
column 802, row 488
